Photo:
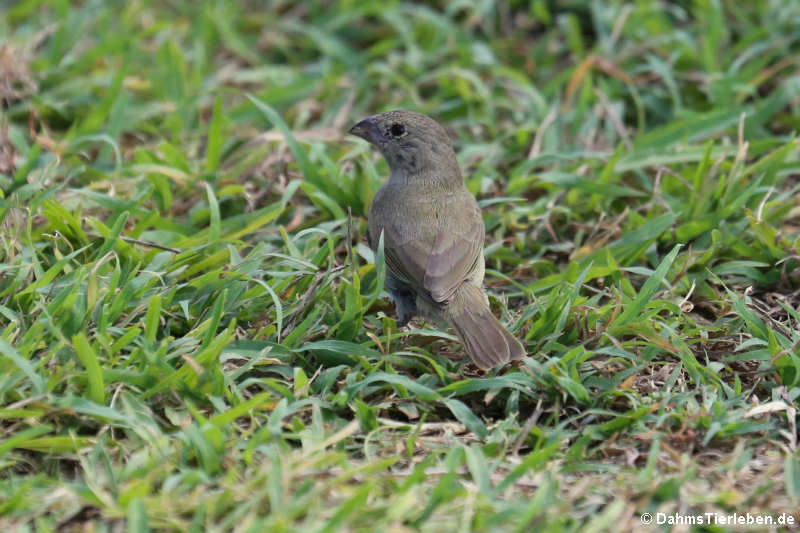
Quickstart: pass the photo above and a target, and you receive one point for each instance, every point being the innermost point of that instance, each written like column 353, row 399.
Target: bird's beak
column 368, row 130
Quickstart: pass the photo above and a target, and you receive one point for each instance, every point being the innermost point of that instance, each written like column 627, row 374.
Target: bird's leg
column 405, row 305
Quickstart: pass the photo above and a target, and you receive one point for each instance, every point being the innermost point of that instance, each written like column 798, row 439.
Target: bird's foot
column 403, row 320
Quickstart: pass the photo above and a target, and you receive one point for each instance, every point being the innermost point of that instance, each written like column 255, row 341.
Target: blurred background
column 537, row 95
column 194, row 336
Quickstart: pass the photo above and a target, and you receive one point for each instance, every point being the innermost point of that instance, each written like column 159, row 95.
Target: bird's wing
column 437, row 269
column 453, row 258
column 405, row 259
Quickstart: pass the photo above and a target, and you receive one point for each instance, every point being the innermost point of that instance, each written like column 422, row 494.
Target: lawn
column 194, row 335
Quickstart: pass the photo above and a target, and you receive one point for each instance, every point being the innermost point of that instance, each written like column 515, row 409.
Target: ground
column 194, row 335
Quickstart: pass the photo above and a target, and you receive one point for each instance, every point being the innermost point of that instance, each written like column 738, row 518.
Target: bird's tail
column 485, row 339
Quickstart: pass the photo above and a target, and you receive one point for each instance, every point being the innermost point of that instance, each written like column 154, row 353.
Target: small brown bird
column 433, row 234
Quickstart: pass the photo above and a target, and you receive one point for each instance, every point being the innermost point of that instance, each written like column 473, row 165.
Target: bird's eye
column 397, row 130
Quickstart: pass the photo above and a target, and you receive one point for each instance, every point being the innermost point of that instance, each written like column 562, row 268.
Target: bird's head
column 412, row 143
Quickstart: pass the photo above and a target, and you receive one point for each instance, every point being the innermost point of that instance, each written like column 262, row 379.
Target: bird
column 433, row 235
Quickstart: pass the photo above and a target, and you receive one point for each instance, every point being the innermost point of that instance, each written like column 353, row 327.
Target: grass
column 194, row 333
